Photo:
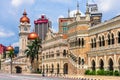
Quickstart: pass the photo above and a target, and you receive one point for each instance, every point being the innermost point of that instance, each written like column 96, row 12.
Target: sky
column 11, row 11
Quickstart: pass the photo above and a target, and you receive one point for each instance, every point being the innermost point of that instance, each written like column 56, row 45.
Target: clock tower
column 24, row 30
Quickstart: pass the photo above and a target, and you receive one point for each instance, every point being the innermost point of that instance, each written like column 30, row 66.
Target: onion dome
column 24, row 18
column 9, row 48
column 32, row 36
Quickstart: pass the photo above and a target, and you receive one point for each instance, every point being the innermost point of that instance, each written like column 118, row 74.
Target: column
column 96, row 62
column 89, row 66
column 115, row 63
column 105, row 65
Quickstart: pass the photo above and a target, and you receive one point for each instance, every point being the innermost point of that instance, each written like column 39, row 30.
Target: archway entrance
column 93, row 65
column 110, row 64
column 101, row 64
column 18, row 69
column 65, row 68
column 58, row 69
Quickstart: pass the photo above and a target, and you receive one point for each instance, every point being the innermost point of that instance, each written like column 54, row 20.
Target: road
column 4, row 76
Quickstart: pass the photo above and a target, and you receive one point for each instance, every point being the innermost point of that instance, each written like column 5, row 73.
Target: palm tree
column 33, row 50
column 11, row 55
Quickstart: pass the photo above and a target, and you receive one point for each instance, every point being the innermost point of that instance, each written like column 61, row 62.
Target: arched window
column 94, row 42
column 64, row 52
column 83, row 42
column 118, row 37
column 52, row 68
column 79, row 42
column 112, row 39
column 65, row 68
column 91, row 43
column 103, row 41
column 110, row 63
column 100, row 41
column 101, row 64
column 108, row 39
column 93, row 65
column 83, row 61
column 79, row 60
column 58, row 68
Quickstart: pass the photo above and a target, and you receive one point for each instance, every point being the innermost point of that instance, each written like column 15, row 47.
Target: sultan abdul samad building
column 83, row 42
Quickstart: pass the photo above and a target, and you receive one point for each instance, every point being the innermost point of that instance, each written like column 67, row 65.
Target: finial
column 77, row 6
column 24, row 13
column 68, row 12
column 87, row 8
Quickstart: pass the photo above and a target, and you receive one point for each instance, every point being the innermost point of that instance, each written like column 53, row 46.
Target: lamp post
column 10, row 53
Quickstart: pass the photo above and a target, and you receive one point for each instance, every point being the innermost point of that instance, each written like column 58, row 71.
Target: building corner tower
column 24, row 30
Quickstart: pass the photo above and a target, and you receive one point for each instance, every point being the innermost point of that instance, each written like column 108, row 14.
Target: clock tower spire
column 24, row 30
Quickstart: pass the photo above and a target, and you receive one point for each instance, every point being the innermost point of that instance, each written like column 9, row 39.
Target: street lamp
column 10, row 53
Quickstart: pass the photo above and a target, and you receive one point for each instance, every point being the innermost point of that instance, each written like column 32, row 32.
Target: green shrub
column 106, row 73
column 100, row 72
column 93, row 72
column 116, row 73
column 87, row 72
column 110, row 73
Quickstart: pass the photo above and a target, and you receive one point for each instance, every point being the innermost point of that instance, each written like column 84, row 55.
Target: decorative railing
column 73, row 59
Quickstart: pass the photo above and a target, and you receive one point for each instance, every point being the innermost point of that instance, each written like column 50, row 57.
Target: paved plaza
column 4, row 76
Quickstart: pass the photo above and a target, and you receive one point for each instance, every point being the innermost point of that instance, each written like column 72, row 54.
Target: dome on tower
column 32, row 36
column 9, row 48
column 24, row 18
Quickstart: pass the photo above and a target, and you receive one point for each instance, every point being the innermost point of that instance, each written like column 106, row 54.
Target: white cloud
column 61, row 1
column 107, row 5
column 15, row 44
column 17, row 3
column 61, row 16
column 73, row 12
column 6, row 33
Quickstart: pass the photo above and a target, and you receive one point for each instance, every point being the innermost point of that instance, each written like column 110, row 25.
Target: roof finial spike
column 77, row 6
column 24, row 13
column 87, row 8
column 68, row 12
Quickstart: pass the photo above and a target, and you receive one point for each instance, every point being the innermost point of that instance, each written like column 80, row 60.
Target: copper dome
column 32, row 36
column 24, row 18
column 9, row 48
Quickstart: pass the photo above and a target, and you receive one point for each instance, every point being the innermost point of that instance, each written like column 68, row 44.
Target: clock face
column 25, row 28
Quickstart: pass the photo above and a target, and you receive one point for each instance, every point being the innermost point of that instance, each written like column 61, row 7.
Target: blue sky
column 11, row 12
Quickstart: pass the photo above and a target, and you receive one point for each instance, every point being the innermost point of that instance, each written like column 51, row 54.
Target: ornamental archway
column 110, row 63
column 101, row 64
column 18, row 69
column 65, row 68
column 93, row 65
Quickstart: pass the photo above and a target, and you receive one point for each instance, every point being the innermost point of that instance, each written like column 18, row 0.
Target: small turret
column 87, row 13
column 68, row 12
column 95, row 15
column 78, row 13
